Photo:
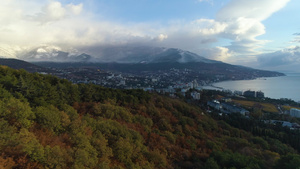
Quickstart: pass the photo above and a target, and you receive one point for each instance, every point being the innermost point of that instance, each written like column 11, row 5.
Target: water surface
column 274, row 87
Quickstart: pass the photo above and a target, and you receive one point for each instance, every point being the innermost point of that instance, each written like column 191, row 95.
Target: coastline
column 277, row 87
column 221, row 81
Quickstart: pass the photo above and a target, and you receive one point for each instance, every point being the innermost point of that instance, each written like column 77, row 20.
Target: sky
column 257, row 33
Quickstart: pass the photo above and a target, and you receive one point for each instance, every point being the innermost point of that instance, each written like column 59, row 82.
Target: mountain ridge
column 140, row 59
column 20, row 64
column 123, row 54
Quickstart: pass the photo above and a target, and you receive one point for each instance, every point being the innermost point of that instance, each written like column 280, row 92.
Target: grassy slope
column 250, row 104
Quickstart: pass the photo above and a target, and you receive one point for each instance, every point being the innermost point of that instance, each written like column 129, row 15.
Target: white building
column 237, row 92
column 194, row 84
column 295, row 112
column 215, row 104
column 195, row 95
column 123, row 82
column 154, row 80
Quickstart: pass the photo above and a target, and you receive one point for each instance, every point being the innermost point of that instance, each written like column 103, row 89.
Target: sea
column 273, row 87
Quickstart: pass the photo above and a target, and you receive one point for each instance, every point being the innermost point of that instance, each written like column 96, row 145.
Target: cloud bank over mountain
column 285, row 60
column 229, row 34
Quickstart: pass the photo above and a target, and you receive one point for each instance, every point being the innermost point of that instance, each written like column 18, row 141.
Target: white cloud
column 55, row 11
column 162, row 37
column 210, row 26
column 253, row 9
column 287, row 59
column 54, row 23
column 287, row 56
column 218, row 53
column 208, row 1
column 241, row 22
column 35, row 22
column 244, row 28
column 223, row 53
column 75, row 9
column 27, row 24
column 296, row 38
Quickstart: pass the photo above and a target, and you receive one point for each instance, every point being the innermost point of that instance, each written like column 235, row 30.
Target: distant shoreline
column 274, row 87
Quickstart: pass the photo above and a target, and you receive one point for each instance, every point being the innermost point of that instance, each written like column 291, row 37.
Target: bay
column 273, row 87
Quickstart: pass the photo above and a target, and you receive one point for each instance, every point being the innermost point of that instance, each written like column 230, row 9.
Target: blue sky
column 258, row 33
column 155, row 10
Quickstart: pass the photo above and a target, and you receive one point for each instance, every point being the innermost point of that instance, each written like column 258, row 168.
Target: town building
column 260, row 94
column 234, row 109
column 283, row 124
column 215, row 104
column 195, row 84
column 227, row 99
column 249, row 93
column 295, row 112
column 239, row 93
column 195, row 95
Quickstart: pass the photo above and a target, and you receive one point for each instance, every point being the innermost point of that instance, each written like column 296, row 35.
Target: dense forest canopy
column 47, row 122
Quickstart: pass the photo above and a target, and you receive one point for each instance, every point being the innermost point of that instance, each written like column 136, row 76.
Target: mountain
column 123, row 54
column 175, row 55
column 139, row 59
column 145, row 54
column 53, row 53
column 20, row 64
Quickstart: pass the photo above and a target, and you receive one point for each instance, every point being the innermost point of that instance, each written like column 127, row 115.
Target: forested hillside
column 47, row 122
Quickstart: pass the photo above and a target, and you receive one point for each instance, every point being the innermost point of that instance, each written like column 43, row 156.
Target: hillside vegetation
column 47, row 122
column 268, row 107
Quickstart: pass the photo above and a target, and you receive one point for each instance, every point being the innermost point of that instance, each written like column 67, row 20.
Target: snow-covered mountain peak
column 7, row 52
column 48, row 49
column 119, row 54
column 53, row 54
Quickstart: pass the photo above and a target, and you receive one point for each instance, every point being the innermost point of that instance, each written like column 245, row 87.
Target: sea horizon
column 273, row 87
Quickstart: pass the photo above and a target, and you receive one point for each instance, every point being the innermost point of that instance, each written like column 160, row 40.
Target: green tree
column 211, row 164
column 56, row 157
column 289, row 161
column 31, row 146
column 16, row 112
column 6, row 134
column 85, row 154
column 4, row 93
column 123, row 151
column 101, row 145
column 49, row 117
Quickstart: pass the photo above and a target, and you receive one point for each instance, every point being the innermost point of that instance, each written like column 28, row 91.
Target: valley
column 152, row 75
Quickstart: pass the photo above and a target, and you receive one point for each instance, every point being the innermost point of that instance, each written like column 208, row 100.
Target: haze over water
column 274, row 87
